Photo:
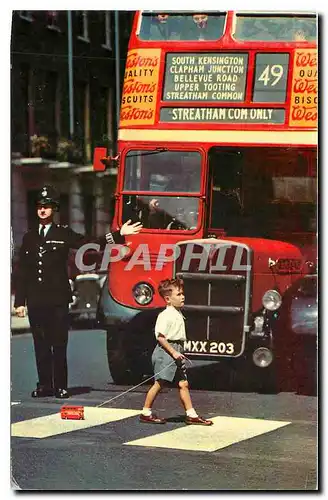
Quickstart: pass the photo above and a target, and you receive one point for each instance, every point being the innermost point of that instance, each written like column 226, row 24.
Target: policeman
column 42, row 285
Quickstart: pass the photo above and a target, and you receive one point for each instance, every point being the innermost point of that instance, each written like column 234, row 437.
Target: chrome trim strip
column 211, row 277
column 214, row 309
column 208, row 319
column 247, row 291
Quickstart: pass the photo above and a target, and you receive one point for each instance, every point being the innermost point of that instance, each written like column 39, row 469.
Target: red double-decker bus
column 217, row 157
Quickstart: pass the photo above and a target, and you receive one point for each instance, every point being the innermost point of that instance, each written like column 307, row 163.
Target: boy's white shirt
column 171, row 324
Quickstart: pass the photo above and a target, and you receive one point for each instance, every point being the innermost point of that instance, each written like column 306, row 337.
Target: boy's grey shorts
column 163, row 363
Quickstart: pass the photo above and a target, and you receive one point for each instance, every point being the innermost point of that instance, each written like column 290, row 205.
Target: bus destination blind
column 271, row 71
column 212, row 77
column 222, row 115
column 222, row 77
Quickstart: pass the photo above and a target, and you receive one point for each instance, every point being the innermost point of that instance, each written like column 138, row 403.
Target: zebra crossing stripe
column 224, row 432
column 52, row 425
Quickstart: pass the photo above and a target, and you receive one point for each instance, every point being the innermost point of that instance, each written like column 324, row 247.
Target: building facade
column 63, row 105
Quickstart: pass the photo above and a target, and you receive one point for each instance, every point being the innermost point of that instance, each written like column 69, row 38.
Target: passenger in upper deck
column 302, row 29
column 202, row 28
column 302, row 35
column 159, row 27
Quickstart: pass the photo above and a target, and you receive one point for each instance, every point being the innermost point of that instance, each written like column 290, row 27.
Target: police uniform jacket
column 42, row 277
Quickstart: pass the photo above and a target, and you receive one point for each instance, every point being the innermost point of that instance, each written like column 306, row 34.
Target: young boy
column 168, row 358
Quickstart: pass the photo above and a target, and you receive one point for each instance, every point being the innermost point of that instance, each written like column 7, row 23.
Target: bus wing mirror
column 101, row 161
column 99, row 155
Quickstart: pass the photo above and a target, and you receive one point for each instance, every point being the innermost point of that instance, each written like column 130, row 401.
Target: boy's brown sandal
column 151, row 419
column 198, row 421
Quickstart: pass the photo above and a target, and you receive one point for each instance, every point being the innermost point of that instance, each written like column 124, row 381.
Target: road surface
column 257, row 442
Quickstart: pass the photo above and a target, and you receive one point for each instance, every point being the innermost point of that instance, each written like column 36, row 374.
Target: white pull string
column 141, row 383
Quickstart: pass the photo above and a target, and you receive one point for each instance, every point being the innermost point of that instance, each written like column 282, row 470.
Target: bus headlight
column 271, row 300
column 143, row 293
column 262, row 357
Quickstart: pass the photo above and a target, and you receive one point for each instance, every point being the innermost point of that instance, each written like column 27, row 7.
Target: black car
column 86, row 290
column 296, row 333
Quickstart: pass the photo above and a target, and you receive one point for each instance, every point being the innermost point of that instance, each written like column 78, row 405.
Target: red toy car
column 72, row 412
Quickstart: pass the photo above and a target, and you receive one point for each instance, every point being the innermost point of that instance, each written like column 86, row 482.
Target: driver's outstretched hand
column 153, row 204
column 129, row 228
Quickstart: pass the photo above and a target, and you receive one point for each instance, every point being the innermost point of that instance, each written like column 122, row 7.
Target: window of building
column 22, row 115
column 89, row 214
column 87, row 137
column 52, row 20
column 103, row 110
column 110, row 118
column 64, row 208
column 101, row 118
column 82, row 25
column 80, row 101
column 46, row 111
column 26, row 15
column 51, row 101
column 107, row 31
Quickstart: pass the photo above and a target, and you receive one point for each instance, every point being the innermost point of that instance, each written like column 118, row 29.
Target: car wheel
column 141, row 345
column 139, row 362
column 305, row 366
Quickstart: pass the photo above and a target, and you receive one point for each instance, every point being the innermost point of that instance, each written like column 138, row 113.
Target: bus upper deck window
column 159, row 26
column 198, row 26
column 276, row 28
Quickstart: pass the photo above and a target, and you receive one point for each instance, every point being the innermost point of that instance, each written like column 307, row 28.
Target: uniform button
column 40, row 270
column 41, row 248
column 40, row 279
column 40, row 254
column 40, row 262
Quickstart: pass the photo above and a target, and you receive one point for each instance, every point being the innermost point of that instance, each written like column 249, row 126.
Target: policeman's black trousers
column 49, row 326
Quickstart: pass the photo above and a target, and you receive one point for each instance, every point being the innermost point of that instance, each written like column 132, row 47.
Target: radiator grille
column 217, row 292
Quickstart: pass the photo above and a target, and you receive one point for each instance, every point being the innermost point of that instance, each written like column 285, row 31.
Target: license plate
column 209, row 347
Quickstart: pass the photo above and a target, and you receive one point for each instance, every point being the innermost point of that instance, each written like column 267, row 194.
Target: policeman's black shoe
column 61, row 393
column 42, row 392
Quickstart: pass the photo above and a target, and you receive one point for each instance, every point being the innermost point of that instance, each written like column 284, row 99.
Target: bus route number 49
column 209, row 347
column 275, row 71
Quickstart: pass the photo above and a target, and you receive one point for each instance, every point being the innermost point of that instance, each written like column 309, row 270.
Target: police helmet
column 48, row 196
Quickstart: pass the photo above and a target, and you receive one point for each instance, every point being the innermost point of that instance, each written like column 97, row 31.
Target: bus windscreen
column 161, row 174
column 162, row 212
column 169, row 171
